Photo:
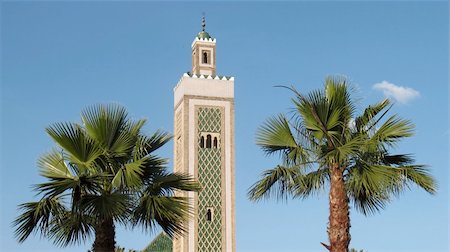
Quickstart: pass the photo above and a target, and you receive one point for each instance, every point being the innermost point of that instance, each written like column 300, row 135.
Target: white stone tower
column 204, row 148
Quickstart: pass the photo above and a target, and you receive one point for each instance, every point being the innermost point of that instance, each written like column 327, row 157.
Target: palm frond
column 415, row 174
column 71, row 228
column 83, row 151
column 326, row 114
column 154, row 166
column 304, row 137
column 37, row 217
column 52, row 165
column 393, row 130
column 275, row 136
column 171, row 213
column 277, row 182
column 337, row 92
column 311, row 183
column 146, row 145
column 135, row 127
column 370, row 187
column 122, row 146
column 334, row 120
column 59, row 186
column 115, row 205
column 130, row 175
column 397, row 160
column 104, row 123
column 341, row 153
column 127, row 140
column 367, row 119
column 157, row 140
column 164, row 184
column 314, row 111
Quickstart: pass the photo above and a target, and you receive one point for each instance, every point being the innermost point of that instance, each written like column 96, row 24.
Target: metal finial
column 203, row 22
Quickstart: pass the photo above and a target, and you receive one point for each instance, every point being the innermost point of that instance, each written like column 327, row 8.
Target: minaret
column 204, row 148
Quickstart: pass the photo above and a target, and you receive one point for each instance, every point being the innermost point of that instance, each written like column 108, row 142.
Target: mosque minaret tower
column 204, row 148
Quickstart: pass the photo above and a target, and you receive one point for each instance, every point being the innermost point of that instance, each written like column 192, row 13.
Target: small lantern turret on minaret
column 204, row 53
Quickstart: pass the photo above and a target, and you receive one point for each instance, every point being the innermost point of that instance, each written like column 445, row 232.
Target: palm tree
column 104, row 172
column 324, row 145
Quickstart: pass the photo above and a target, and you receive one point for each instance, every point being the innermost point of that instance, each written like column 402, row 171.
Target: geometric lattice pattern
column 178, row 167
column 178, row 142
column 209, row 176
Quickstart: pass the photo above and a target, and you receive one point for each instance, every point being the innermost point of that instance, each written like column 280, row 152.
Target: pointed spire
column 203, row 34
column 203, row 22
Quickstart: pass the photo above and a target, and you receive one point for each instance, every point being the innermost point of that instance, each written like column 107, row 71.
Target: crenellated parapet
column 203, row 76
column 204, row 85
column 209, row 40
column 209, row 77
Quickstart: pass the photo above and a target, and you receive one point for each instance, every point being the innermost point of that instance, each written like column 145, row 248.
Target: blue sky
column 60, row 57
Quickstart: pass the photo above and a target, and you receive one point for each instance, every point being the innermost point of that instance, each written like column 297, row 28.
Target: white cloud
column 398, row 93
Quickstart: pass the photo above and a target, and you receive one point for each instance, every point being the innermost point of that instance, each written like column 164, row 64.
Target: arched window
column 208, row 141
column 209, row 214
column 205, row 57
column 215, row 142
column 202, row 142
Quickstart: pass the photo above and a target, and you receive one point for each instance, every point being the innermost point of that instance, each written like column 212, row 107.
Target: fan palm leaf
column 37, row 217
column 71, row 228
column 168, row 212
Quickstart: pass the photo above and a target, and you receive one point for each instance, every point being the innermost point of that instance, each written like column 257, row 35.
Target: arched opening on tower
column 209, row 214
column 215, row 142
column 202, row 142
column 205, row 58
column 208, row 141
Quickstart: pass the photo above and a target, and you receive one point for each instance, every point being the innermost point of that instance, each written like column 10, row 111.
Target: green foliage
column 103, row 169
column 324, row 130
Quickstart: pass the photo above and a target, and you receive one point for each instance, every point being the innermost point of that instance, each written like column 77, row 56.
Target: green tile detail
column 161, row 243
column 210, row 177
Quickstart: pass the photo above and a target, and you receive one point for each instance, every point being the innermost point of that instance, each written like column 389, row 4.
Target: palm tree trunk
column 339, row 220
column 104, row 237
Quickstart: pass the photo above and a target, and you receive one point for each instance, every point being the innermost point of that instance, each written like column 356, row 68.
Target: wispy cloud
column 398, row 93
